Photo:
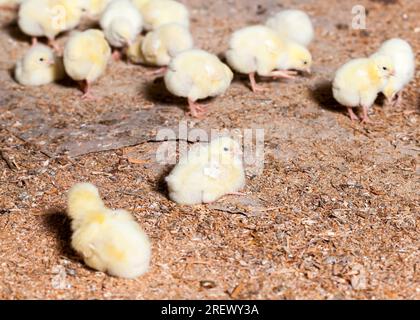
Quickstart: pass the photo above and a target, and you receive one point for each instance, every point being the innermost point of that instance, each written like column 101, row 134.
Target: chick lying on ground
column 258, row 49
column 86, row 56
column 207, row 173
column 122, row 23
column 159, row 12
column 108, row 240
column 39, row 66
column 158, row 47
column 196, row 74
column 402, row 56
column 358, row 82
column 48, row 18
column 294, row 25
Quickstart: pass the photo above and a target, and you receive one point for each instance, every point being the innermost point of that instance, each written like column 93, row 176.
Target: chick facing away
column 122, row 23
column 108, row 240
column 159, row 12
column 207, row 172
column 358, row 82
column 259, row 50
column 294, row 25
column 86, row 55
column 48, row 18
column 159, row 46
column 401, row 54
column 39, row 66
column 196, row 74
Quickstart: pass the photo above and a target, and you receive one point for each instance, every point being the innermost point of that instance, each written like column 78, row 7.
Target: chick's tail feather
column 83, row 200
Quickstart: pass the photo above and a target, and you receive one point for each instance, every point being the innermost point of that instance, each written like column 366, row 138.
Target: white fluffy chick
column 108, row 240
column 48, row 18
column 258, row 49
column 207, row 172
column 86, row 56
column 39, row 66
column 294, row 25
column 196, row 74
column 403, row 58
column 159, row 46
column 159, row 12
column 122, row 23
column 359, row 81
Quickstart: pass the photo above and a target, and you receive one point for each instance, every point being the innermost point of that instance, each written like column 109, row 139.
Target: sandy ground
column 334, row 215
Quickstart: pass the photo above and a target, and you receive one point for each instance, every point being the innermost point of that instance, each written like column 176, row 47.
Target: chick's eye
column 226, row 149
column 385, row 68
column 41, row 59
column 305, row 62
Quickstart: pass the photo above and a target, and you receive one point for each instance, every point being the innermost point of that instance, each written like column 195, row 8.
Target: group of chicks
column 111, row 240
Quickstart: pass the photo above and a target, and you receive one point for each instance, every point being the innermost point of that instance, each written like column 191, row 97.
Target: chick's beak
column 50, row 62
column 308, row 71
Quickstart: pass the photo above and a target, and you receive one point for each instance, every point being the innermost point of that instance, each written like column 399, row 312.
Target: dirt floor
column 334, row 215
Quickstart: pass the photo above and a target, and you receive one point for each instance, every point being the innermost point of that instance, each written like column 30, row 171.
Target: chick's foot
column 196, row 110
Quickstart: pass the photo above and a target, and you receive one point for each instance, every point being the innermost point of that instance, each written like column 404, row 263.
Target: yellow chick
column 358, row 82
column 159, row 12
column 207, row 173
column 158, row 47
column 122, row 23
column 294, row 25
column 39, row 66
column 196, row 74
column 108, row 240
column 401, row 54
column 258, row 49
column 86, row 56
column 48, row 18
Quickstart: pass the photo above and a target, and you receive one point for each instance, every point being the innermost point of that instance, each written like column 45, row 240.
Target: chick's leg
column 53, row 43
column 86, row 88
column 365, row 118
column 116, row 55
column 196, row 110
column 397, row 99
column 34, row 41
column 352, row 115
column 283, row 74
column 254, row 86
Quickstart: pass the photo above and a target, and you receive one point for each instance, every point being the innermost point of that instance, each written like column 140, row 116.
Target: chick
column 48, row 18
column 122, row 23
column 39, row 66
column 207, row 173
column 108, row 240
column 86, row 56
column 159, row 12
column 358, row 82
column 196, row 74
column 294, row 25
column 161, row 45
column 401, row 53
column 258, row 49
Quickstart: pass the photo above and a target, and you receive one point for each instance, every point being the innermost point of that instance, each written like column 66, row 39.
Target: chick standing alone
column 121, row 22
column 258, row 49
column 207, row 173
column 39, row 66
column 108, row 240
column 196, row 74
column 294, row 25
column 86, row 56
column 401, row 54
column 358, row 82
column 161, row 45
